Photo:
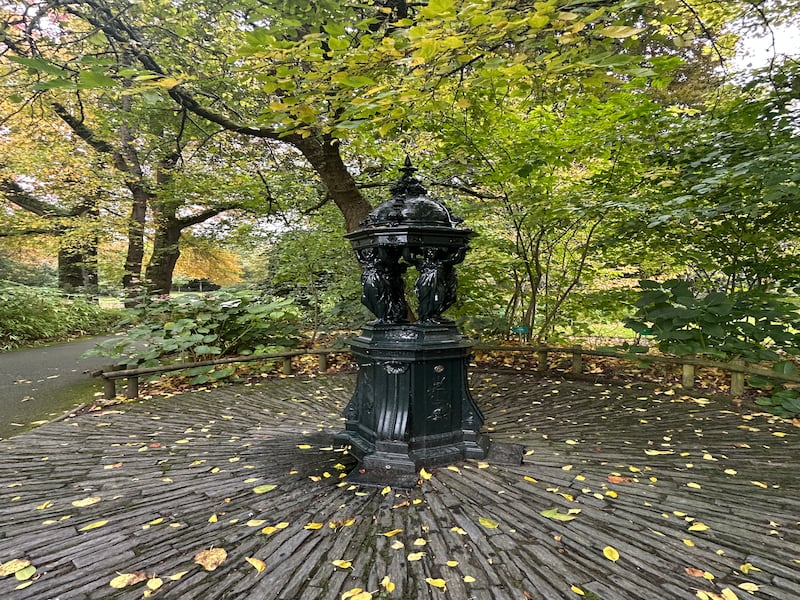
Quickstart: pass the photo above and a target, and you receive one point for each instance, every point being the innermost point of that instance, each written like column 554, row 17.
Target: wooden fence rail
column 738, row 369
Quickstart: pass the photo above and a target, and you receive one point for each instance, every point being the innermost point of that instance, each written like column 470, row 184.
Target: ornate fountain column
column 411, row 407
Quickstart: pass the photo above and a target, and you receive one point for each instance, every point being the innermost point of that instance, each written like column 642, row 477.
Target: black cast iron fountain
column 411, row 407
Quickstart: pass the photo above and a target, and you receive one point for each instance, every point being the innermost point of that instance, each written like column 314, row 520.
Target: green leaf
column 38, row 64
column 204, row 349
column 619, row 31
column 352, row 80
column 554, row 514
column 26, row 573
column 263, row 489
column 223, row 373
column 95, row 79
column 785, row 367
column 437, row 8
column 339, row 43
column 335, row 29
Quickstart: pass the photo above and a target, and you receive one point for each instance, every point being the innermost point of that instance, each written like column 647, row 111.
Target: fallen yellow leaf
column 488, row 523
column 269, row 530
column 387, row 584
column 12, row 566
column 728, row 594
column 210, row 559
column 123, row 580
column 86, row 501
column 94, row 525
column 255, row 522
column 177, row 576
column 393, row 532
column 420, row 542
column 611, row 554
column 437, row 583
column 577, row 590
column 699, row 527
column 452, row 563
column 154, row 583
column 356, row 594
column 415, row 556
column 469, row 579
column 213, row 518
column 424, row 474
column 342, row 564
column 314, row 526
column 748, row 586
column 258, row 564
column 747, row 567
column 263, row 489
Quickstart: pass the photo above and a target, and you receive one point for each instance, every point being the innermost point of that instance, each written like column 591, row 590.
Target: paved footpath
column 667, row 496
column 39, row 383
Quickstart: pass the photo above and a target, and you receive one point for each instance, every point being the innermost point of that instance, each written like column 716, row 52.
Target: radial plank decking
column 689, row 492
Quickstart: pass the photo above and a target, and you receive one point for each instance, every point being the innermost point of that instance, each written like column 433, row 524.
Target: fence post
column 737, row 378
column 323, row 362
column 287, row 365
column 109, row 387
column 577, row 360
column 132, row 388
column 687, row 376
column 541, row 361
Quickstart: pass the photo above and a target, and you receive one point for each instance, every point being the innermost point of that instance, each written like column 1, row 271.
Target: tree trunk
column 132, row 278
column 322, row 152
column 166, row 252
column 77, row 269
column 70, row 269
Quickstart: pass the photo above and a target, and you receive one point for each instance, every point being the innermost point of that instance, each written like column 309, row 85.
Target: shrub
column 30, row 314
column 203, row 327
column 754, row 326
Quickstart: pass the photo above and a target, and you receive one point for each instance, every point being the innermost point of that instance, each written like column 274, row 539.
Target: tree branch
column 15, row 194
column 205, row 215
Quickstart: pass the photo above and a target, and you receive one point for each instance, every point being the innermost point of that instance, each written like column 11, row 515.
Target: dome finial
column 408, row 185
column 408, row 169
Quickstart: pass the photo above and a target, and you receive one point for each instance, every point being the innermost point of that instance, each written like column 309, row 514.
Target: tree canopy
column 589, row 142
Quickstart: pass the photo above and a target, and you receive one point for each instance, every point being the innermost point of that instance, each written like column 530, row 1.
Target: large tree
column 311, row 74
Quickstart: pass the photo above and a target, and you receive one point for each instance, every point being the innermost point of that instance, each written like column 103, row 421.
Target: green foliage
column 783, row 402
column 752, row 326
column 29, row 315
column 40, row 275
column 726, row 200
column 204, row 327
column 316, row 268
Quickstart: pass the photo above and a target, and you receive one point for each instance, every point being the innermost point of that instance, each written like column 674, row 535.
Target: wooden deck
column 672, row 498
